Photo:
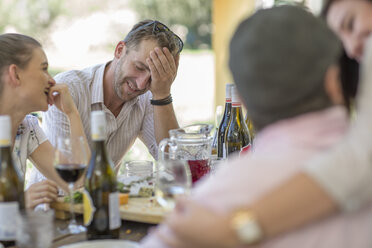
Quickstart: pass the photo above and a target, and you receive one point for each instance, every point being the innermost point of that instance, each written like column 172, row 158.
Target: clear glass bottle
column 11, row 186
column 221, row 148
column 237, row 135
column 101, row 197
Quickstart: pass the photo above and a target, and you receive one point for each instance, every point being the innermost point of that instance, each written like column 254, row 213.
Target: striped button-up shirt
column 134, row 120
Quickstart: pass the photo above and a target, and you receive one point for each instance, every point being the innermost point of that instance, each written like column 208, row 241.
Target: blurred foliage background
column 80, row 33
column 290, row 2
column 30, row 16
column 192, row 18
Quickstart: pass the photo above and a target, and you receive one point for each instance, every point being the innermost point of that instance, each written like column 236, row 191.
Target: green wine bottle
column 11, row 186
column 237, row 135
column 101, row 198
column 221, row 147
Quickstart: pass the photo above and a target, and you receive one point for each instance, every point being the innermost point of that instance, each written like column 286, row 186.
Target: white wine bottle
column 11, row 186
column 221, row 148
column 237, row 135
column 250, row 126
column 218, row 118
column 101, row 198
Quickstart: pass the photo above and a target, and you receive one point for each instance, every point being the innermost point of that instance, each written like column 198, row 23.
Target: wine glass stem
column 71, row 191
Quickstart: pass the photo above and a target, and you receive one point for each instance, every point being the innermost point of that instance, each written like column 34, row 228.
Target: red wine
column 70, row 173
column 198, row 168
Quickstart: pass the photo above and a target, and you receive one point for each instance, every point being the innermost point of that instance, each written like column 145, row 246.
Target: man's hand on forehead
column 163, row 70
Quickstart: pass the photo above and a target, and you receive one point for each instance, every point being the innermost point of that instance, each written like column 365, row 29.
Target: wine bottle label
column 115, row 221
column 5, row 130
column 89, row 208
column 245, row 149
column 98, row 125
column 4, row 142
column 9, row 211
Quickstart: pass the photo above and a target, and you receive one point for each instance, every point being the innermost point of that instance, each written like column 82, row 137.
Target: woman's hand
column 59, row 95
column 196, row 226
column 41, row 192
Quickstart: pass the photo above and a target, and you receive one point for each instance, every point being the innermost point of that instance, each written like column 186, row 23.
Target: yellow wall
column 226, row 15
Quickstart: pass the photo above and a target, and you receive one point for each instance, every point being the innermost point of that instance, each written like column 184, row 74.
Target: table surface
column 130, row 230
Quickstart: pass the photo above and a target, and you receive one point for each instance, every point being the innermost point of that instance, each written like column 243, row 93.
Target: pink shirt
column 279, row 151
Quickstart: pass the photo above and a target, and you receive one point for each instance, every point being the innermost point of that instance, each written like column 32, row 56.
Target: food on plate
column 123, row 198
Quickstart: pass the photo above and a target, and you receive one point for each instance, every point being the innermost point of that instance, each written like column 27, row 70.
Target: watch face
column 247, row 227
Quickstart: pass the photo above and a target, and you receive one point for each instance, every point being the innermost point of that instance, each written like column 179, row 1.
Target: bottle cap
column 98, row 125
column 228, row 91
column 5, row 130
column 235, row 97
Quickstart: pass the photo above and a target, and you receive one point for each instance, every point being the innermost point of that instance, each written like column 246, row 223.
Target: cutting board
column 138, row 209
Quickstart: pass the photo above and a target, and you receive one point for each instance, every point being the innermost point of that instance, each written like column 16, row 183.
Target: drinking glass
column 70, row 162
column 140, row 168
column 172, row 179
column 35, row 229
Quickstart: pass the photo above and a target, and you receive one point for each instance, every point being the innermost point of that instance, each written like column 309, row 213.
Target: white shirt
column 29, row 137
column 134, row 120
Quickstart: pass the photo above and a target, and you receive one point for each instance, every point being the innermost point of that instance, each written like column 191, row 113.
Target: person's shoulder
column 77, row 76
column 30, row 122
column 31, row 118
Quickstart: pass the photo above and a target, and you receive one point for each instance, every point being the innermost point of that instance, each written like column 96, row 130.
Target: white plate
column 103, row 244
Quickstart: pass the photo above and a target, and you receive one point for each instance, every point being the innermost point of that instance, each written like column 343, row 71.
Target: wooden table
column 137, row 216
column 130, row 230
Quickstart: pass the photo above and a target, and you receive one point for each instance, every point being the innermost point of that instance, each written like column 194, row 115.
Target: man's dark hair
column 279, row 58
column 349, row 68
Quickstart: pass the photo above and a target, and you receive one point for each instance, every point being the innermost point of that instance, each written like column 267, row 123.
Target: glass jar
column 140, row 168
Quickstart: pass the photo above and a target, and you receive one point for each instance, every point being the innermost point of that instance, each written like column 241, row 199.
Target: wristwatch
column 247, row 228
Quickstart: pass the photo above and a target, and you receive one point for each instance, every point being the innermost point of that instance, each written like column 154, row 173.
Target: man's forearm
column 164, row 120
column 295, row 203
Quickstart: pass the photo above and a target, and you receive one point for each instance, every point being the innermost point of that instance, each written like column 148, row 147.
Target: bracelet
column 161, row 102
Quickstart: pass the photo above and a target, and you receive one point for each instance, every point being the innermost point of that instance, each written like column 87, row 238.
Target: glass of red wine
column 71, row 159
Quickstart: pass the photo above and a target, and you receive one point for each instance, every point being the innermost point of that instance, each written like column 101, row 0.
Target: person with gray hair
column 133, row 89
column 285, row 64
